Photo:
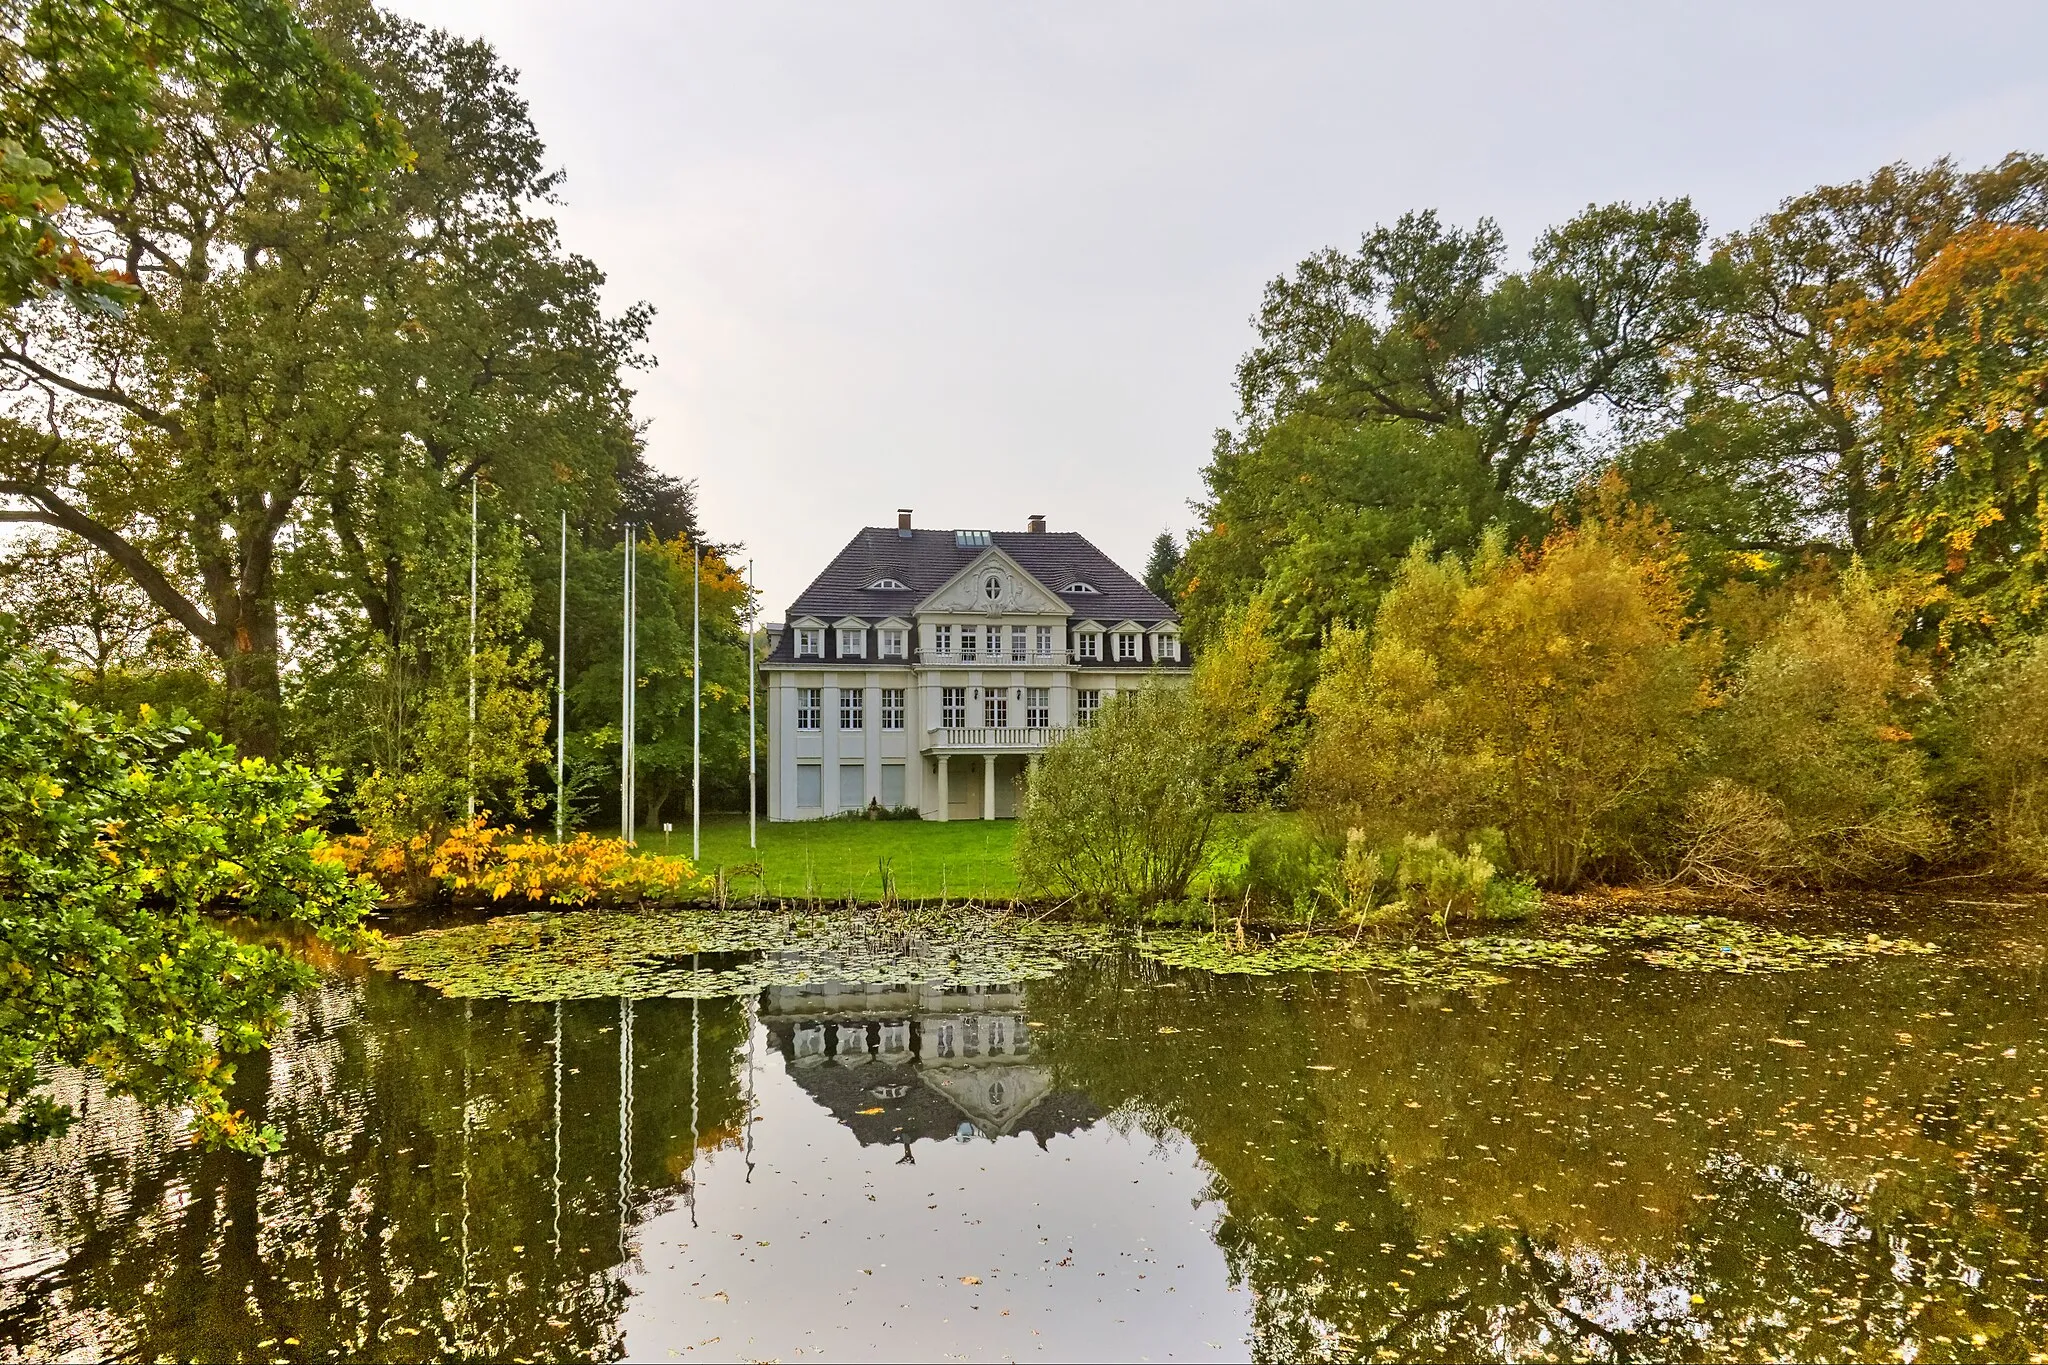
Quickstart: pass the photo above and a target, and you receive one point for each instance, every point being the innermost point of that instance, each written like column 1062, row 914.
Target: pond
column 1124, row 1159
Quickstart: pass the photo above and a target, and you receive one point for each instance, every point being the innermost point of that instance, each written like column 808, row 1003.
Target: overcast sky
column 986, row 260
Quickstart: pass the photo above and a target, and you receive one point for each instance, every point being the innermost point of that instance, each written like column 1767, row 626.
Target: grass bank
column 834, row 860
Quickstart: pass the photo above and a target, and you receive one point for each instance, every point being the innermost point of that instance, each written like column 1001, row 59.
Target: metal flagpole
column 696, row 700
column 470, row 807
column 751, row 802
column 625, row 686
column 562, row 687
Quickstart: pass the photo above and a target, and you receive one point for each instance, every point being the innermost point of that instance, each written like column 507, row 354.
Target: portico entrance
column 980, row 786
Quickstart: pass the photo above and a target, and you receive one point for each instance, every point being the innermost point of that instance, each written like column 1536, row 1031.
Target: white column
column 828, row 750
column 871, row 715
column 988, row 787
column 945, row 797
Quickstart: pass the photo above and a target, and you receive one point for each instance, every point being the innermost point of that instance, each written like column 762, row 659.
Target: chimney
column 903, row 522
column 1035, row 522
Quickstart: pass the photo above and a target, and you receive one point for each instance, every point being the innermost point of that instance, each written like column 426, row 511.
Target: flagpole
column 696, row 701
column 751, row 802
column 470, row 750
column 562, row 686
column 626, row 685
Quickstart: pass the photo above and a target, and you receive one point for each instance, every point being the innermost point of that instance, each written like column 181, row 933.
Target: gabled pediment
column 1017, row 592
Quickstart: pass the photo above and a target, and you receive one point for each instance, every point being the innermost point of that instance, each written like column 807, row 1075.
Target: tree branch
column 51, row 510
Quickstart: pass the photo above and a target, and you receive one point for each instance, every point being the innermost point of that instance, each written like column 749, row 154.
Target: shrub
column 1811, row 773
column 1444, row 886
column 1248, row 688
column 478, row 861
column 1123, row 810
column 1551, row 696
column 1995, row 757
column 121, row 843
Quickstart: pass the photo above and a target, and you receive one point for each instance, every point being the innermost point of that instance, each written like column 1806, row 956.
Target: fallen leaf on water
column 1169, row 1029
column 876, row 1110
column 1787, row 1042
column 1322, row 1068
column 970, row 1279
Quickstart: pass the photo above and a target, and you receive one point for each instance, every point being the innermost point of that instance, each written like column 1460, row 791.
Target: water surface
column 1123, row 1161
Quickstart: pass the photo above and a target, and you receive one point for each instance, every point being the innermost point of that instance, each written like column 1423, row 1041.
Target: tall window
column 1127, row 647
column 892, row 644
column 1169, row 648
column 1037, row 708
column 810, row 643
column 942, row 640
column 1019, row 644
column 853, row 642
column 892, row 709
column 1044, row 650
column 1087, row 702
column 1087, row 646
column 952, row 707
column 995, row 643
column 968, row 638
column 809, row 702
column 810, row 785
column 995, row 709
column 850, row 708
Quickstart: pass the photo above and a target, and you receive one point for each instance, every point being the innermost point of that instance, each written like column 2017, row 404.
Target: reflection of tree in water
column 1563, row 1168
column 426, row 1202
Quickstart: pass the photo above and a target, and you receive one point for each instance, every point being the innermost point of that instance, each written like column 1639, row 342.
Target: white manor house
column 926, row 668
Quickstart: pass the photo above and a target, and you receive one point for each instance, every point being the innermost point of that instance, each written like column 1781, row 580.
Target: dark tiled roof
column 925, row 560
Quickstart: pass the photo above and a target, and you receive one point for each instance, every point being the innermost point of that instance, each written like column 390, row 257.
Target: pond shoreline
column 1591, row 903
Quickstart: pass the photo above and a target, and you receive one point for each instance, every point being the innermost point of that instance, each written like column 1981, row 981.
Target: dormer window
column 1127, row 646
column 892, row 644
column 810, row 642
column 1169, row 648
column 971, row 540
column 888, row 585
column 1087, row 645
column 853, row 642
column 1084, row 589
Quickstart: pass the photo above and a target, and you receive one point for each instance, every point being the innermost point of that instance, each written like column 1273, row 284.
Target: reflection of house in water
column 898, row 1063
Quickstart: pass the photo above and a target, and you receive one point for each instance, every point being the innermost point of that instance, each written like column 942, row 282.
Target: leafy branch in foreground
column 123, row 845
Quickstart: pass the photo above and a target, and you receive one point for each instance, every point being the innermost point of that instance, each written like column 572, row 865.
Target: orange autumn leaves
column 478, row 861
column 1957, row 370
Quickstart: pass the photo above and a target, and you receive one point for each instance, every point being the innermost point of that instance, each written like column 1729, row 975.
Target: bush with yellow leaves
column 477, row 861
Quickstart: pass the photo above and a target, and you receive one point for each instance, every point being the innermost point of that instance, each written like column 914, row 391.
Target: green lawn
column 835, row 859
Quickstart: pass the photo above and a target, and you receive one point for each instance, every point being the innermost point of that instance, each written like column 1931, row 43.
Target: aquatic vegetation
column 1714, row 943
column 706, row 954
column 597, row 953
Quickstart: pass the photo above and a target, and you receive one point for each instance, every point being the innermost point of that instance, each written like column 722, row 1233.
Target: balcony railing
column 1018, row 739
column 982, row 658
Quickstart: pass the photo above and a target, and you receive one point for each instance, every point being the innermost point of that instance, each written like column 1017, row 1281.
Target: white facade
column 942, row 705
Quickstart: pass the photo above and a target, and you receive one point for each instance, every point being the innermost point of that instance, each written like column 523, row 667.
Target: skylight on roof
column 971, row 540
column 888, row 585
column 1080, row 588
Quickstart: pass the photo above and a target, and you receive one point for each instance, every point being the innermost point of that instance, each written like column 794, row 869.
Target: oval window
column 992, row 587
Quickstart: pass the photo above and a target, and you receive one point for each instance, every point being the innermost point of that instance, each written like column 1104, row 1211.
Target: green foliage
column 292, row 410
column 1122, row 810
column 1312, row 517
column 120, row 844
column 1549, row 697
column 1991, row 769
column 1247, row 685
column 1814, row 775
column 664, row 657
column 82, row 83
column 1162, row 567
